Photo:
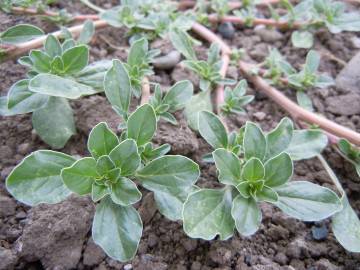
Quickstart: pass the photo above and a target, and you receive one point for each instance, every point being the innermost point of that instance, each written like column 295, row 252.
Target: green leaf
column 87, row 32
column 102, row 140
column 125, row 192
column 183, row 43
column 54, row 122
column 117, row 86
column 307, row 201
column 137, row 53
column 99, row 191
column 228, row 165
column 52, row 85
column 178, row 95
column 278, row 170
column 253, row 170
column 169, row 118
column 52, row 46
column 267, row 194
column 117, row 229
column 279, row 138
column 247, row 215
column 302, row 39
column 169, row 174
column 126, row 157
column 80, row 177
column 104, row 167
column 304, row 100
column 212, row 130
column 312, row 62
column 254, row 142
column 142, row 124
column 306, row 144
column 111, row 16
column 93, row 75
column 207, row 213
column 41, row 61
column 75, row 59
column 20, row 33
column 199, row 102
column 21, row 100
column 346, row 227
column 37, row 178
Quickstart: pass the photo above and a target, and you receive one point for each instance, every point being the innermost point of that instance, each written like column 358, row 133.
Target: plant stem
column 92, row 6
column 145, row 91
column 22, row 48
column 185, row 4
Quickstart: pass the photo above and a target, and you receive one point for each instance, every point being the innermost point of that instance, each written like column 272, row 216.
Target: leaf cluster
column 235, row 99
column 6, row 5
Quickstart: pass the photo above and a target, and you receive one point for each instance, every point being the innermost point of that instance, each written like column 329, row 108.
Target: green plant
column 49, row 177
column 235, row 99
column 350, row 153
column 6, row 5
column 255, row 167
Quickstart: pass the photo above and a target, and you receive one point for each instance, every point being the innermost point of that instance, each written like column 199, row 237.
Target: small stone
column 296, row 248
column 20, row 215
column 7, row 206
column 319, row 233
column 260, row 115
column 348, row 79
column 324, row 264
column 190, row 244
column 168, row 61
column 226, row 30
column 268, row 35
column 152, row 240
column 281, row 258
column 344, row 105
column 128, row 267
column 23, row 148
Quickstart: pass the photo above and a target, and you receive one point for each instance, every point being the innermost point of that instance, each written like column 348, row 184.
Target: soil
column 58, row 236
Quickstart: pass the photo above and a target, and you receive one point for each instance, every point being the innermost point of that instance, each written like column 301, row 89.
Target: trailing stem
column 145, row 91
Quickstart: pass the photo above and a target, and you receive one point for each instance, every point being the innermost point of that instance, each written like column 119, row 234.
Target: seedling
column 6, row 5
column 108, row 176
column 255, row 167
column 235, row 99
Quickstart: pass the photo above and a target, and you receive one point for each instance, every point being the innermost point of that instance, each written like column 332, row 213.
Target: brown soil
column 58, row 236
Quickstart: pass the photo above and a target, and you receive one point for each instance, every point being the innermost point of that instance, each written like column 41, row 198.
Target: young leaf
column 142, row 124
column 20, row 33
column 80, row 177
column 54, row 122
column 117, row 86
column 178, row 95
column 41, row 62
column 75, row 59
column 117, row 229
column 169, row 174
column 253, row 170
column 126, row 157
column 228, row 165
column 99, row 191
column 279, row 138
column 37, row 178
column 199, row 102
column 304, row 100
column 306, row 144
column 87, row 33
column 312, row 62
column 212, row 130
column 52, row 85
column 278, row 170
column 247, row 215
column 254, row 142
column 101, row 140
column 302, row 39
column 105, row 166
column 207, row 213
column 124, row 192
column 137, row 53
column 21, row 100
column 267, row 194
column 183, row 43
column 52, row 46
column 307, row 201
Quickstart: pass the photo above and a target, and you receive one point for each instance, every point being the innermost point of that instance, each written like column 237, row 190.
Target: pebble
column 226, row 30
column 344, row 105
column 128, row 267
column 23, row 148
column 168, row 61
column 348, row 79
column 319, row 233
column 281, row 258
column 260, row 116
column 268, row 35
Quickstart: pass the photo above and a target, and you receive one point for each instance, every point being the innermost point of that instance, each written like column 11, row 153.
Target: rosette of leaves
column 110, row 176
column 235, row 100
column 6, row 5
column 58, row 72
column 255, row 167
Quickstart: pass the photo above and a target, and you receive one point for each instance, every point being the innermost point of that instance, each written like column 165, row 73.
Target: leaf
column 37, row 178
column 346, row 227
column 312, row 62
column 228, row 165
column 137, row 53
column 105, row 167
column 41, row 62
column 52, row 85
column 169, row 174
column 75, row 59
column 117, row 229
column 302, row 39
column 169, row 118
column 142, row 124
column 93, row 75
column 304, row 100
column 279, row 138
column 306, row 144
column 183, row 43
column 307, row 201
column 253, row 170
column 124, row 192
column 21, row 100
column 212, row 130
column 126, row 157
column 102, row 140
column 99, row 191
column 80, row 177
column 52, row 46
column 87, row 32
column 267, row 194
column 199, row 102
column 254, row 142
column 20, row 33
column 54, row 123
column 207, row 213
column 278, row 170
column 247, row 215
column 117, row 86
column 178, row 95
column 111, row 16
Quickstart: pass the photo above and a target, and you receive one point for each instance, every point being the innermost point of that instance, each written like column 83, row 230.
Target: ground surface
column 58, row 236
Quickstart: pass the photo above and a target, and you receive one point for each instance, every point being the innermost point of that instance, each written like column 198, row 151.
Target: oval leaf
column 102, row 140
column 125, row 192
column 253, row 170
column 126, row 157
column 228, row 165
column 212, row 130
column 178, row 95
column 278, row 170
column 75, row 59
column 199, row 102
column 20, row 33
column 254, row 142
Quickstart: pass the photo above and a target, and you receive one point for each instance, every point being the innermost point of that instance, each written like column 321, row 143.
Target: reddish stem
column 145, row 91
